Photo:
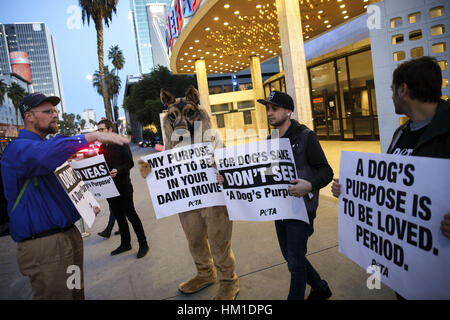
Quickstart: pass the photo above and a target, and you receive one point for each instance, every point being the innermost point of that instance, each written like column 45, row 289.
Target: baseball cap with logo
column 280, row 99
column 34, row 100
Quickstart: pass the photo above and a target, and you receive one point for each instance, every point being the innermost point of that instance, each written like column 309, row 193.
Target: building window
column 417, row 52
column 415, row 35
column 437, row 30
column 438, row 47
column 436, row 12
column 399, row 55
column 247, row 117
column 443, row 64
column 245, row 105
column 414, row 17
column 220, row 108
column 398, row 38
column 396, row 22
column 220, row 120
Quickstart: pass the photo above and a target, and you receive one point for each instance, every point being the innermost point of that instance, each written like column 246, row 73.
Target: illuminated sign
column 178, row 12
column 318, row 100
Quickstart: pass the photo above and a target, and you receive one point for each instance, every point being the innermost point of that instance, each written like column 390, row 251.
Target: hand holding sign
column 301, row 187
column 113, row 173
column 336, row 188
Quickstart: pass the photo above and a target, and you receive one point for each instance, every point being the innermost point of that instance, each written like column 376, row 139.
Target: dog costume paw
column 144, row 168
column 197, row 283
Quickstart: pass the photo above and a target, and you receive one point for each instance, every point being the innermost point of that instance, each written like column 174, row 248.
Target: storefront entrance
column 342, row 97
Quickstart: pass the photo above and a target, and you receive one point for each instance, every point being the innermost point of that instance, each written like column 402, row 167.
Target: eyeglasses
column 47, row 112
column 102, row 129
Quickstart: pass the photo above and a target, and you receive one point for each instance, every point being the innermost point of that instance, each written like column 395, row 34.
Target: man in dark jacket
column 416, row 87
column 120, row 161
column 314, row 173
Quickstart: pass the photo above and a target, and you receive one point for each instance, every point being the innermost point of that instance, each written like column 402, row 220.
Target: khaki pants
column 46, row 260
column 208, row 232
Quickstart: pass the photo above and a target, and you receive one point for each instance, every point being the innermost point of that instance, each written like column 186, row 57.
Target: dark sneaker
column 142, row 251
column 105, row 234
column 322, row 293
column 120, row 250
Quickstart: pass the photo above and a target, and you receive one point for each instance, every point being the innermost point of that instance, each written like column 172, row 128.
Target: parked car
column 145, row 143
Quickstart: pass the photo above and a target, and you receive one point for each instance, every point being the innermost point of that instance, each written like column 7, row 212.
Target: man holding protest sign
column 42, row 216
column 314, row 173
column 416, row 87
column 120, row 161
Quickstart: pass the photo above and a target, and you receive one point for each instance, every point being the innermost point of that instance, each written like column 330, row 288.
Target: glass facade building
column 5, row 67
column 141, row 31
column 36, row 40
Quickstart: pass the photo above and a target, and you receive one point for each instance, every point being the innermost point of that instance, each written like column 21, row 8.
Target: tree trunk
column 17, row 117
column 99, row 28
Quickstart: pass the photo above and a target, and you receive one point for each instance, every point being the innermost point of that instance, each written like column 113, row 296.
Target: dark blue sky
column 77, row 47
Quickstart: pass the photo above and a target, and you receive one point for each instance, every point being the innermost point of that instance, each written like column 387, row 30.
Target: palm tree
column 118, row 60
column 112, row 81
column 116, row 57
column 16, row 93
column 99, row 11
column 3, row 88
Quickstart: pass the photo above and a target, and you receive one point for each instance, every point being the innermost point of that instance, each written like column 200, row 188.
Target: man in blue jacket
column 42, row 216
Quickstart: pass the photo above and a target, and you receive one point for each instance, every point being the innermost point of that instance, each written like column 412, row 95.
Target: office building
column 35, row 40
column 139, row 19
column 89, row 114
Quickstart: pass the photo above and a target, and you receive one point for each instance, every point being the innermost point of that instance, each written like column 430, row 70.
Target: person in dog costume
column 208, row 230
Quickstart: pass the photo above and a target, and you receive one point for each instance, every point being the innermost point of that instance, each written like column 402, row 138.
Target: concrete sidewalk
column 260, row 266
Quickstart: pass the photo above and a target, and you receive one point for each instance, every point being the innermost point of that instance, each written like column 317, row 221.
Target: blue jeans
column 293, row 237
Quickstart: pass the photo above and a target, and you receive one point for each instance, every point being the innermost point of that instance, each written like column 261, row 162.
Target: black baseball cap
column 280, row 99
column 35, row 99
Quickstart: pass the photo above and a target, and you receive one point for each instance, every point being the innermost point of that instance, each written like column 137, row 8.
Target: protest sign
column 390, row 211
column 95, row 174
column 78, row 192
column 256, row 183
column 183, row 179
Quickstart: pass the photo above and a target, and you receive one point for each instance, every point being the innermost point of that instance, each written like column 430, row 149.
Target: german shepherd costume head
column 182, row 114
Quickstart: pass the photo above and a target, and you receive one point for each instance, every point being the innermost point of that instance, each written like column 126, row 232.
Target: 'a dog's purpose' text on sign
column 183, row 179
column 390, row 212
column 256, row 179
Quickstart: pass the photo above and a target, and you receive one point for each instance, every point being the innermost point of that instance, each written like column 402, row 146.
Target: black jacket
column 314, row 155
column 310, row 161
column 120, row 158
column 435, row 141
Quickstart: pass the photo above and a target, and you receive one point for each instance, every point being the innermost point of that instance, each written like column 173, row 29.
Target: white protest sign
column 256, row 183
column 95, row 174
column 390, row 211
column 78, row 192
column 183, row 179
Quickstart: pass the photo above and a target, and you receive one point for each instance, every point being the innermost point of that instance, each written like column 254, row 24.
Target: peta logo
column 268, row 212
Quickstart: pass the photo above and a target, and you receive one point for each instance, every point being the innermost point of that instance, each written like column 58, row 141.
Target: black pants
column 123, row 208
column 293, row 237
